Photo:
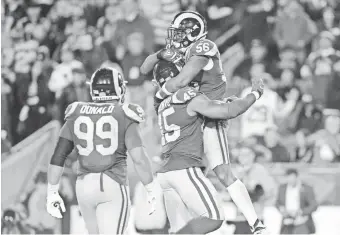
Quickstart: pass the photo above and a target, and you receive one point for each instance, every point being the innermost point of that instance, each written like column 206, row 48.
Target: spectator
column 328, row 21
column 296, row 202
column 14, row 11
column 287, row 60
column 285, row 83
column 7, row 100
column 257, row 58
column 273, row 142
column 14, row 221
column 294, row 28
column 62, row 73
column 132, row 61
column 266, row 111
column 326, row 142
column 221, row 16
column 160, row 13
column 255, row 21
column 260, row 184
column 322, row 72
column 77, row 90
column 34, row 26
column 134, row 22
column 309, row 115
column 35, row 98
column 112, row 14
column 25, row 55
column 94, row 9
column 82, row 42
column 107, row 26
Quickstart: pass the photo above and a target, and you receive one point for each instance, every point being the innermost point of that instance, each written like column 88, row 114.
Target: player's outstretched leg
column 240, row 196
column 217, row 153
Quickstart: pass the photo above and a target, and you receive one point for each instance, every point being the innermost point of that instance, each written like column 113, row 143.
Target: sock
column 239, row 194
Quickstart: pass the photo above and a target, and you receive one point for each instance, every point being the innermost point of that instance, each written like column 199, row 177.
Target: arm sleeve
column 63, row 149
column 133, row 137
column 64, row 146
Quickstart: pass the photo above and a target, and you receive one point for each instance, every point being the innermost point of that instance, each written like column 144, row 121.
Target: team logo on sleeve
column 135, row 112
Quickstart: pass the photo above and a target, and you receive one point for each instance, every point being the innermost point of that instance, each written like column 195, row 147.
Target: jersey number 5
column 98, row 130
column 171, row 132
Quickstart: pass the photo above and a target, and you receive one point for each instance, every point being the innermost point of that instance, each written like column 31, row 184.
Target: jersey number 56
column 93, row 129
column 170, row 132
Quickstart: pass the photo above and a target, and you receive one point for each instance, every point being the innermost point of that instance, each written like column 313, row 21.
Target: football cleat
column 259, row 228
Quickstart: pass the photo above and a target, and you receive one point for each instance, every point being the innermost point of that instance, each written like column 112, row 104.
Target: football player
column 190, row 198
column 101, row 132
column 187, row 44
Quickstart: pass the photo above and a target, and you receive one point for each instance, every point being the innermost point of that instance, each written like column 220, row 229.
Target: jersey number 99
column 170, row 132
column 97, row 129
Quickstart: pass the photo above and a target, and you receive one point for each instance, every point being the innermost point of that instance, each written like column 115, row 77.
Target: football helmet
column 107, row 84
column 187, row 27
column 163, row 71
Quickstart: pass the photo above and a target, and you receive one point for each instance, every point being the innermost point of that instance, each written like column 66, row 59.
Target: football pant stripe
column 121, row 211
column 225, row 138
column 199, row 192
column 126, row 208
column 217, row 212
column 220, row 141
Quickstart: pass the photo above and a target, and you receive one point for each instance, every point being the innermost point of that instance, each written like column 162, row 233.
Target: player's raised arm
column 62, row 150
column 222, row 110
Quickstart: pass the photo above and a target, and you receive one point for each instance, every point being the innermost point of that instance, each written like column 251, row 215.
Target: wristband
column 256, row 94
column 149, row 187
column 165, row 90
column 52, row 188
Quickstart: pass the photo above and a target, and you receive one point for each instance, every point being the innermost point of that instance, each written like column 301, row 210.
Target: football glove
column 150, row 189
column 54, row 203
column 171, row 55
column 257, row 87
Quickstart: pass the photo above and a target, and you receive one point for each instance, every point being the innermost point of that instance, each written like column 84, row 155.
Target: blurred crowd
column 50, row 48
column 294, row 46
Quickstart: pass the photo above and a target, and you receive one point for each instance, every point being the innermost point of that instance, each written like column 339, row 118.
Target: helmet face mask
column 186, row 28
column 107, row 84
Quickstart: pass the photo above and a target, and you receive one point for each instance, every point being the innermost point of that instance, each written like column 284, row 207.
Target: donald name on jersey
column 86, row 109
